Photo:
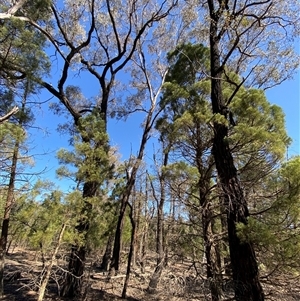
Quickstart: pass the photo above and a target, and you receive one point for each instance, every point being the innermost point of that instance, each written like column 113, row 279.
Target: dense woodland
column 212, row 212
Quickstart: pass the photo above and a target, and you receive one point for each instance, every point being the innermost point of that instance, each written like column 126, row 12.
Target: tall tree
column 98, row 38
column 236, row 32
column 160, row 201
column 21, row 59
column 14, row 152
column 256, row 137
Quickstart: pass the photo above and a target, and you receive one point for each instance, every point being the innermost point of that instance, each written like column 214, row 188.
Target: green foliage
column 188, row 64
column 275, row 230
column 260, row 125
column 180, row 170
column 37, row 217
column 37, row 10
column 21, row 47
column 254, row 231
column 258, row 141
column 90, row 158
column 104, row 220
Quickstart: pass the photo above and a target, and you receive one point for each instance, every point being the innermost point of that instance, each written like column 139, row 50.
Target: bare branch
column 13, row 111
column 11, row 12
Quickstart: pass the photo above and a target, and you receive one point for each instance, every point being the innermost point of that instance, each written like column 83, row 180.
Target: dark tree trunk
column 211, row 254
column 137, row 208
column 243, row 260
column 7, row 210
column 144, row 238
column 242, row 255
column 106, row 259
column 114, row 267
column 74, row 277
column 131, row 251
column 160, row 261
column 73, row 280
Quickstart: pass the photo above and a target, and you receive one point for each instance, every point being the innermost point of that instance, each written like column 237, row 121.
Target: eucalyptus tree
column 12, row 111
column 148, row 70
column 96, row 38
column 11, row 9
column 147, row 79
column 254, row 39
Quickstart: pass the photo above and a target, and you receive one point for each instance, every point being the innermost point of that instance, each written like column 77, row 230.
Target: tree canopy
column 215, row 189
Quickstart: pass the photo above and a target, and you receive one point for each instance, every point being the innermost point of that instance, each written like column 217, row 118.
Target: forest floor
column 181, row 280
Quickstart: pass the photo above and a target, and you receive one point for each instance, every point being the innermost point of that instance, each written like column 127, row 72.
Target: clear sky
column 287, row 96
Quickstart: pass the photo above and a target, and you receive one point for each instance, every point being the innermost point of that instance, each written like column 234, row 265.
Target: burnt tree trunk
column 107, row 254
column 74, row 277
column 242, row 255
column 114, row 267
column 7, row 210
column 131, row 250
column 160, row 250
column 243, row 260
column 213, row 272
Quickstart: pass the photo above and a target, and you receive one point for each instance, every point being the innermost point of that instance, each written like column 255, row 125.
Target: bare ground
column 180, row 281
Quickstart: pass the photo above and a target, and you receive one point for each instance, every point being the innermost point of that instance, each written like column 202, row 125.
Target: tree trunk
column 144, row 238
column 131, row 251
column 242, row 255
column 114, row 267
column 137, row 204
column 106, row 259
column 160, row 232
column 50, row 265
column 74, row 277
column 211, row 254
column 73, row 281
column 243, row 261
column 7, row 210
column 129, row 186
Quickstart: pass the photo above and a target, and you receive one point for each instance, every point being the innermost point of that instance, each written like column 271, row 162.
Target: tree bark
column 13, row 111
column 131, row 250
column 106, row 259
column 114, row 267
column 242, row 254
column 144, row 238
column 131, row 178
column 243, row 260
column 213, row 272
column 160, row 231
column 50, row 265
column 74, row 277
column 7, row 210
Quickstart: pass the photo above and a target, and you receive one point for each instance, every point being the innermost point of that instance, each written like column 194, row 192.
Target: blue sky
column 46, row 141
column 127, row 135
column 287, row 96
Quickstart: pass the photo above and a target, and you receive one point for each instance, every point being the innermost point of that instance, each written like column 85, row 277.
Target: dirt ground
column 180, row 281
